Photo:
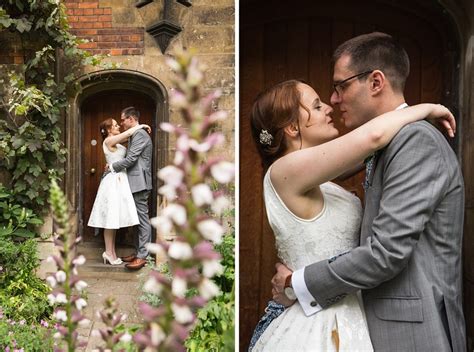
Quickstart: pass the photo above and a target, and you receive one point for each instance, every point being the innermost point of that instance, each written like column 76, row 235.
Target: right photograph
column 356, row 217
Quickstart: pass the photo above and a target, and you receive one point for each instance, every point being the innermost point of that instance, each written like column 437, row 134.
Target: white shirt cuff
column 307, row 302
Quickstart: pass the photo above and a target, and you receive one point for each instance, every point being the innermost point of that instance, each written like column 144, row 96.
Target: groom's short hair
column 131, row 111
column 377, row 51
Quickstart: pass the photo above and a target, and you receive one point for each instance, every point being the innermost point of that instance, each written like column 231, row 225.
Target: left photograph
column 117, row 175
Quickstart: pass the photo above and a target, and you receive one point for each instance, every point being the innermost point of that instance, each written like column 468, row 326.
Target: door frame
column 101, row 81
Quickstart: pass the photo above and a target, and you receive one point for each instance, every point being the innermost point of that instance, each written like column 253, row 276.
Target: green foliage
column 34, row 96
column 20, row 336
column 214, row 330
column 23, row 293
column 15, row 221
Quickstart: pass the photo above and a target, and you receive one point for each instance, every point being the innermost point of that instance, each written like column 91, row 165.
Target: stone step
column 94, row 250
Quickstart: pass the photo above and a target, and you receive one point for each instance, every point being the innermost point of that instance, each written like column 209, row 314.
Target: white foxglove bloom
column 155, row 248
column 201, row 194
column 50, row 259
column 211, row 230
column 61, row 298
column 180, row 250
column 80, row 285
column 178, row 99
column 168, row 191
column 176, row 212
column 179, row 287
column 81, row 303
column 220, row 204
column 195, row 75
column 162, row 224
column 57, row 335
column 84, row 323
column 182, row 314
column 60, row 315
column 211, row 268
column 173, row 64
column 208, row 289
column 182, row 143
column 153, row 286
column 223, row 171
column 167, row 127
column 51, row 281
column 126, row 337
column 51, row 299
column 60, row 276
column 199, row 147
column 96, row 333
column 157, row 334
column 171, row 175
column 218, row 116
column 178, row 157
column 79, row 260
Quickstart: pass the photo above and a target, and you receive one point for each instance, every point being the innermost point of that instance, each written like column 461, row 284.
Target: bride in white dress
column 114, row 207
column 312, row 218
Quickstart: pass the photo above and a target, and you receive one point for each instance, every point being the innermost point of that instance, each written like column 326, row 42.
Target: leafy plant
column 21, row 336
column 24, row 295
column 16, row 221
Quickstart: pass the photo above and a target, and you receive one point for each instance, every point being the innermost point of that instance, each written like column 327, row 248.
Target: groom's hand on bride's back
column 278, row 285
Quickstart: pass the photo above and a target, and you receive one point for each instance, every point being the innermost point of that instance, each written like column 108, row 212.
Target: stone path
column 105, row 281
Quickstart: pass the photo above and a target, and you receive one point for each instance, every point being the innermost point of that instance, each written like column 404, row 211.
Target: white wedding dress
column 114, row 206
column 301, row 242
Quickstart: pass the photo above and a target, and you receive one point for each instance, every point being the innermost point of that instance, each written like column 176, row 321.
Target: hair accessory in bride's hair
column 265, row 138
column 102, row 131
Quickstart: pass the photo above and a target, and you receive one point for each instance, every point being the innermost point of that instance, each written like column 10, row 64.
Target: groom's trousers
column 143, row 233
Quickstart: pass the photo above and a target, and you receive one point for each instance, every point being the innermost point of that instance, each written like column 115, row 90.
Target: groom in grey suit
column 138, row 165
column 408, row 264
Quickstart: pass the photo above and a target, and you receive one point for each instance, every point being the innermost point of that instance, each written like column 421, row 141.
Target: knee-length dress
column 114, row 206
column 300, row 242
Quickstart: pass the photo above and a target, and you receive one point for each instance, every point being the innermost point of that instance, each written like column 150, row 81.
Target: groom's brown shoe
column 138, row 263
column 128, row 258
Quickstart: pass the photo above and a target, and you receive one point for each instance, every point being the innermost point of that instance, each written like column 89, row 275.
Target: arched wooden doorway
column 104, row 94
column 94, row 110
column 296, row 40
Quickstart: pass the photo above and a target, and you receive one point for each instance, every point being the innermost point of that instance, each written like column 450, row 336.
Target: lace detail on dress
column 302, row 242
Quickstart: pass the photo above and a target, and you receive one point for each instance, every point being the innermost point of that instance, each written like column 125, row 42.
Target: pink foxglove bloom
column 79, row 260
column 180, row 250
column 223, row 171
column 178, row 99
column 80, row 285
column 182, row 143
column 60, row 315
column 211, row 230
column 126, row 337
column 167, row 127
column 51, row 281
column 61, row 298
column 182, row 314
column 208, row 289
column 173, row 64
column 157, row 334
column 201, row 194
column 162, row 224
column 60, row 276
column 155, row 248
column 218, row 116
column 81, row 303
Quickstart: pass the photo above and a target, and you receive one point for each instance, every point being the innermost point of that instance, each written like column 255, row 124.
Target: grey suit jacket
column 137, row 161
column 408, row 264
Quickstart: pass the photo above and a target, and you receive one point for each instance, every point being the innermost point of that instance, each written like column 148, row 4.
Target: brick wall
column 88, row 20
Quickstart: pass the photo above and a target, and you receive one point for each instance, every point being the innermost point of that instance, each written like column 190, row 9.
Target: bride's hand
column 441, row 117
column 278, row 284
column 146, row 127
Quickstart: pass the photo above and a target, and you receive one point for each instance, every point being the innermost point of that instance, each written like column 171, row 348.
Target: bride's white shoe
column 110, row 260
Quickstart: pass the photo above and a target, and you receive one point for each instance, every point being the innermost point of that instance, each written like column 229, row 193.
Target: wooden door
column 283, row 41
column 94, row 110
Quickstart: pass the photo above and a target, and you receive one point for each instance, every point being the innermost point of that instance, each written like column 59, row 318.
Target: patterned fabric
column 114, row 206
column 272, row 311
column 369, row 164
column 301, row 242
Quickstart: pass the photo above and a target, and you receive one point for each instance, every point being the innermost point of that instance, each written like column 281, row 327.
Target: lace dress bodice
column 116, row 155
column 301, row 242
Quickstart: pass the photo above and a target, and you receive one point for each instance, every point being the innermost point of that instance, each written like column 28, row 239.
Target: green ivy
column 31, row 146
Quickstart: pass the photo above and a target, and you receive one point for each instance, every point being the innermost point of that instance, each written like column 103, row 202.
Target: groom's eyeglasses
column 339, row 86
